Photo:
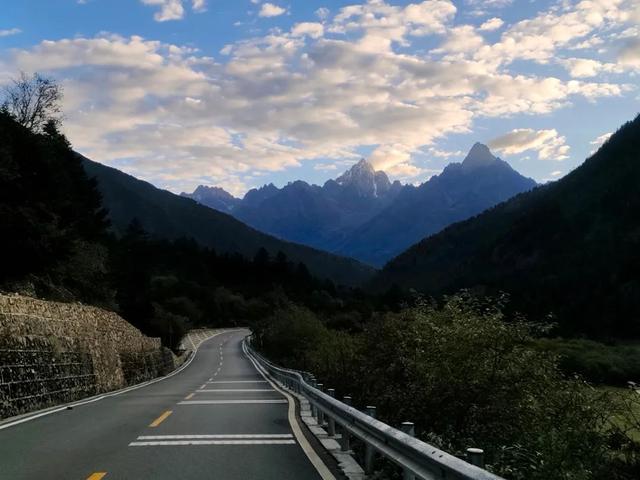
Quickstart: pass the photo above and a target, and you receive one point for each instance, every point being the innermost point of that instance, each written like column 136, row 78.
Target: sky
column 240, row 93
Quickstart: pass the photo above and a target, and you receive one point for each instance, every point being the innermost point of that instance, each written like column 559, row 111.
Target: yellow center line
column 97, row 476
column 189, row 397
column 159, row 420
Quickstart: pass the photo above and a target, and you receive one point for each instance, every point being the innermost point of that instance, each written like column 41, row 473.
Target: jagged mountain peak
column 365, row 179
column 479, row 156
column 203, row 190
column 213, row 197
column 360, row 169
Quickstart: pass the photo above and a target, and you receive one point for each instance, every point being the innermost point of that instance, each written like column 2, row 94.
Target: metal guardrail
column 416, row 458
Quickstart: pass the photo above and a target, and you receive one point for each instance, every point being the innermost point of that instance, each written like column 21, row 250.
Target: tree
column 33, row 101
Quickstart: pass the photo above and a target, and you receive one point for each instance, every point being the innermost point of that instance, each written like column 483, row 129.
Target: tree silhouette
column 33, row 101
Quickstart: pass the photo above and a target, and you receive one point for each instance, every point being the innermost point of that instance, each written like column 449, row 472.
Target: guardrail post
column 332, row 423
column 345, row 433
column 320, row 412
column 409, row 429
column 314, row 409
column 476, row 457
column 369, row 451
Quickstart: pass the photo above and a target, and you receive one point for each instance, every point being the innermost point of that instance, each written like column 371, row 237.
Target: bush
column 466, row 377
column 596, row 362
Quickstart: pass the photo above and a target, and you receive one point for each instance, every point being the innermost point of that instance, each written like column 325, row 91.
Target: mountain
column 571, row 248
column 213, row 197
column 319, row 216
column 364, row 180
column 459, row 192
column 170, row 216
column 363, row 215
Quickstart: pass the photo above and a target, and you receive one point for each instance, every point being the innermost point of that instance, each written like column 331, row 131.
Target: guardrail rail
column 417, row 459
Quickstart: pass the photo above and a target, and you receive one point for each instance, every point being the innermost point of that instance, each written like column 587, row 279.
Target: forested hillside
column 168, row 216
column 570, row 249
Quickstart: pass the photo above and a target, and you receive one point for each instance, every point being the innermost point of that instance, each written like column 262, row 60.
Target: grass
column 627, row 416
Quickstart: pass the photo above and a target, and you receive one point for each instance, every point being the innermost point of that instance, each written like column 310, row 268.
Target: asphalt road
column 216, row 419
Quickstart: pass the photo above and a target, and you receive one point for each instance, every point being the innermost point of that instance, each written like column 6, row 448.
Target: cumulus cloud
column 539, row 38
column 169, row 9
column 174, row 9
column 395, row 160
column 383, row 24
column 548, row 144
column 312, row 29
column 271, row 10
column 9, row 32
column 315, row 93
column 462, row 39
column 492, row 24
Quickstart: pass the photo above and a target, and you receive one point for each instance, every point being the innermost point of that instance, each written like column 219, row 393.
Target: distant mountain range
column 363, row 215
column 571, row 247
column 170, row 216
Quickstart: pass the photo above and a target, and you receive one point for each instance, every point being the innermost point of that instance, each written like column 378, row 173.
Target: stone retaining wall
column 52, row 353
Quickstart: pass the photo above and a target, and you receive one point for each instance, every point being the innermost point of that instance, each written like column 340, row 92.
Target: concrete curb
column 347, row 464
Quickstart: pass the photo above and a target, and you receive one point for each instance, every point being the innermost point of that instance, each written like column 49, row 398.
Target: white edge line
column 240, row 381
column 312, row 455
column 111, row 394
column 229, row 402
column 227, row 390
column 231, row 436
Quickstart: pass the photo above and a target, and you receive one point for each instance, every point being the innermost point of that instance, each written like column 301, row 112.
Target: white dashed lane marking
column 239, row 381
column 216, row 439
column 227, row 390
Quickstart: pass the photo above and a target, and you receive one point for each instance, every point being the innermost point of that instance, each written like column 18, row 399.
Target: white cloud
column 169, row 9
column 199, row 5
column 539, row 38
column 556, row 173
column 492, row 24
column 312, row 29
column 174, row 9
column 462, row 39
column 548, row 144
column 9, row 32
column 395, row 160
column 383, row 24
column 271, row 10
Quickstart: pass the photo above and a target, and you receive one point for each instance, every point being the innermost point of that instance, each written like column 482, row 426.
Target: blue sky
column 242, row 93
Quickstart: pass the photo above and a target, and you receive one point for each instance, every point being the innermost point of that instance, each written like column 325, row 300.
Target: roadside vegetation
column 467, row 375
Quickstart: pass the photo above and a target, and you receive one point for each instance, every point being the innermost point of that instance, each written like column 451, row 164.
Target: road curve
column 216, row 419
